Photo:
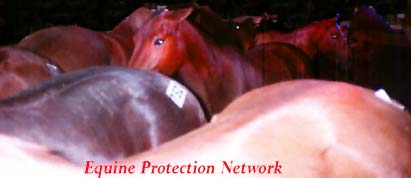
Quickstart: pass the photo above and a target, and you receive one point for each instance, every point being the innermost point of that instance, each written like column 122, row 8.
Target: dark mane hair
column 213, row 26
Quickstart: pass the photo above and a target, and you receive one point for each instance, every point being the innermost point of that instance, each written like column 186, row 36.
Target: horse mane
column 213, row 26
column 208, row 23
column 366, row 18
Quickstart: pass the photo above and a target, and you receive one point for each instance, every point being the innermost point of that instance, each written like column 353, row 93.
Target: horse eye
column 158, row 41
column 237, row 26
column 333, row 36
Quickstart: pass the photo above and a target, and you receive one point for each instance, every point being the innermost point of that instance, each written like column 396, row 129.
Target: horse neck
column 211, row 62
column 120, row 48
column 132, row 23
column 301, row 37
column 123, row 32
column 305, row 38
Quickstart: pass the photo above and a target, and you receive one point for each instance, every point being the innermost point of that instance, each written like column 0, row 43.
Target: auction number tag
column 177, row 93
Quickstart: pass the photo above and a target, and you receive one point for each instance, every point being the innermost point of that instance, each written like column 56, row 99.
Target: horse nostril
column 158, row 41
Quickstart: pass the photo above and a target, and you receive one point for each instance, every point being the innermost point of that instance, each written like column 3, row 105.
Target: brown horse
column 381, row 55
column 21, row 68
column 204, row 53
column 198, row 52
column 71, row 47
column 306, row 128
column 322, row 41
column 74, row 47
column 280, row 61
column 102, row 113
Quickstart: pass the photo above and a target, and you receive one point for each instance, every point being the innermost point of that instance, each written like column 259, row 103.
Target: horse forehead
column 334, row 29
column 160, row 23
column 152, row 28
column 330, row 25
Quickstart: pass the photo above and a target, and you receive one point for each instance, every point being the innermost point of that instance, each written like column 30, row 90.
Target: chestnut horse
column 71, row 47
column 202, row 52
column 381, row 55
column 322, row 41
column 21, row 68
column 74, row 47
column 102, row 113
column 305, row 128
column 280, row 61
column 205, row 59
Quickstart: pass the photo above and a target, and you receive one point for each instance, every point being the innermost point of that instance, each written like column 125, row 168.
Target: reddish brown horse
column 200, row 56
column 322, row 41
column 202, row 52
column 71, row 47
column 280, row 61
column 20, row 69
column 102, row 113
column 74, row 47
column 381, row 55
column 308, row 128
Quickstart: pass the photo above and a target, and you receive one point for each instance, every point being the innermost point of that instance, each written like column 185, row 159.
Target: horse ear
column 179, row 15
column 338, row 18
column 257, row 19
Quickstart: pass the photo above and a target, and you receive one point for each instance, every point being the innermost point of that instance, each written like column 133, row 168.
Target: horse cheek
column 171, row 60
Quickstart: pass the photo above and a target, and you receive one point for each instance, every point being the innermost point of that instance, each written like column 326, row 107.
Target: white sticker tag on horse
column 384, row 96
column 177, row 93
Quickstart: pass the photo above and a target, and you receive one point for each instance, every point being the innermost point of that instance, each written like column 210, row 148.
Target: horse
column 322, row 41
column 71, row 47
column 75, row 47
column 246, row 31
column 381, row 55
column 280, row 61
column 302, row 128
column 202, row 52
column 21, row 68
column 101, row 113
column 198, row 50
column 339, row 129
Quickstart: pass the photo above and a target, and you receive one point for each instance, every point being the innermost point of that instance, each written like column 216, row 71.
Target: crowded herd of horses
column 183, row 84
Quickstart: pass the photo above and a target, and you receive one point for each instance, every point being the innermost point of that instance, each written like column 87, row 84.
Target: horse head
column 331, row 41
column 158, row 41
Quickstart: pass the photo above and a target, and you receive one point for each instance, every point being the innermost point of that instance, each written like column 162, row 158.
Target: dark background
column 19, row 18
